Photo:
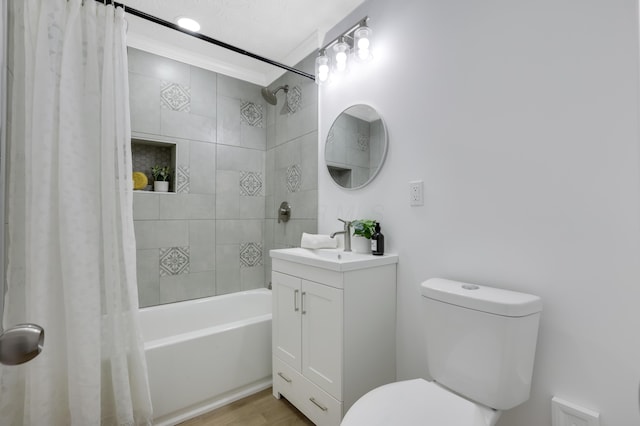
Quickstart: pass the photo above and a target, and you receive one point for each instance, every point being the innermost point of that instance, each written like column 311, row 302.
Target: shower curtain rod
column 203, row 37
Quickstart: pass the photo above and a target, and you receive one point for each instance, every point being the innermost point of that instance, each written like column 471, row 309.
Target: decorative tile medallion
column 175, row 97
column 363, row 142
column 182, row 180
column 174, row 261
column 294, row 99
column 251, row 184
column 294, row 178
column 250, row 255
column 251, row 114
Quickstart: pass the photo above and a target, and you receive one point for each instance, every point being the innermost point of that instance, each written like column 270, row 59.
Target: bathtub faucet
column 346, row 232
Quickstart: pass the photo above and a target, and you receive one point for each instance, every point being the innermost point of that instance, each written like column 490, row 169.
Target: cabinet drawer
column 313, row 402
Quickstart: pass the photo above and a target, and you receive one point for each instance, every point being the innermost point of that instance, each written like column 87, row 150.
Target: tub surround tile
column 306, row 203
column 177, row 288
column 202, row 168
column 159, row 67
column 182, row 179
column 148, row 274
column 251, row 207
column 253, row 137
column 227, row 206
column 234, row 88
column 228, row 125
column 228, row 281
column 237, row 158
column 250, row 255
column 171, row 233
column 203, row 92
column 174, row 261
column 145, row 206
column 294, row 178
column 200, row 206
column 252, row 277
column 227, row 182
column 234, row 231
column 202, row 258
column 144, row 103
column 228, row 256
column 174, row 96
column 294, row 99
column 188, row 126
column 211, row 237
column 145, row 232
column 251, row 184
column 252, row 114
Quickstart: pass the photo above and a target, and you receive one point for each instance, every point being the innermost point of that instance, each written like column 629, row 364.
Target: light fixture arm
column 347, row 34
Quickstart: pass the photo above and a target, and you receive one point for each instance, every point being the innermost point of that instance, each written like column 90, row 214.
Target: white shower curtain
column 71, row 249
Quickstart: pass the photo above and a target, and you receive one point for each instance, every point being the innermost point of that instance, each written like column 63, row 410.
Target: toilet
column 481, row 344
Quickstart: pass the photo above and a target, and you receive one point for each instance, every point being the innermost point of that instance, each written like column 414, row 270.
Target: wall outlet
column 416, row 193
column 565, row 413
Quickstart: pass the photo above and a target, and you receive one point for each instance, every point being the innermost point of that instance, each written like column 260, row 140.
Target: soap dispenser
column 377, row 242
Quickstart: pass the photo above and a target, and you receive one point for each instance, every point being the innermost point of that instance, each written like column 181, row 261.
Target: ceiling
column 285, row 31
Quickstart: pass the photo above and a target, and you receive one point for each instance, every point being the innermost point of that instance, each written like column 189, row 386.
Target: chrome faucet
column 346, row 232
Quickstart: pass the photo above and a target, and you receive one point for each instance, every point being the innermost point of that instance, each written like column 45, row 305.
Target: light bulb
column 323, row 72
column 340, row 55
column 362, row 37
column 188, row 24
column 322, row 68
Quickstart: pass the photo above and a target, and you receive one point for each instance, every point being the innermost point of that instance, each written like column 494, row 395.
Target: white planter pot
column 360, row 244
column 161, row 186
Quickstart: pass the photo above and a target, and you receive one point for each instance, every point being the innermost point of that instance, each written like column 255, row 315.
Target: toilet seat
column 417, row 402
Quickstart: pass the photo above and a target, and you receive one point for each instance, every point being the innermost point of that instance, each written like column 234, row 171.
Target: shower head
column 20, row 343
column 270, row 95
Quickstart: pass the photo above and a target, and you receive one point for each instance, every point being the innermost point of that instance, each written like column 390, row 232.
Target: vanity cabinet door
column 287, row 296
column 321, row 308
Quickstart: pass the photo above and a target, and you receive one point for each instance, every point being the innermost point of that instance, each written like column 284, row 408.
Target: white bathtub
column 205, row 353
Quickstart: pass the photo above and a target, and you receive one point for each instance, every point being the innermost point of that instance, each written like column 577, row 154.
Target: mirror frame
column 383, row 156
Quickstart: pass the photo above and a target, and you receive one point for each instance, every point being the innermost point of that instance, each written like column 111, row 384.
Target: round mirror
column 356, row 146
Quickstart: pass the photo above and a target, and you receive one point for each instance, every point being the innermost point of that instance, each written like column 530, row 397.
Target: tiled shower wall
column 235, row 155
column 292, row 161
column 208, row 237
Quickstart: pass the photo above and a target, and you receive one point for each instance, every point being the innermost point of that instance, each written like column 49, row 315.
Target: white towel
column 317, row 241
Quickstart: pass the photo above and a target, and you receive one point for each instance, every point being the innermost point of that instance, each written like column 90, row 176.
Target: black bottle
column 377, row 242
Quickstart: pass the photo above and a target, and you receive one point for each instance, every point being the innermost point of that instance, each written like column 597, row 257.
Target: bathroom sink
column 333, row 259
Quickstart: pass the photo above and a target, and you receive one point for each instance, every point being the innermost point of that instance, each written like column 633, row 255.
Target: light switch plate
column 565, row 413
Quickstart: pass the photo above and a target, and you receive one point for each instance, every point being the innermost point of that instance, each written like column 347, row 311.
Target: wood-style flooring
column 259, row 409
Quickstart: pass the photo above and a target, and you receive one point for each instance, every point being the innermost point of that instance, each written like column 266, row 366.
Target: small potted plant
column 363, row 229
column 161, row 175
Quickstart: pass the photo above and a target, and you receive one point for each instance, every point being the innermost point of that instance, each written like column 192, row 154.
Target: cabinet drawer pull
column 302, row 299
column 285, row 378
column 295, row 300
column 320, row 406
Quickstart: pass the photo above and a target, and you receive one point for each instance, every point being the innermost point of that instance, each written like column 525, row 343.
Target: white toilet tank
column 481, row 341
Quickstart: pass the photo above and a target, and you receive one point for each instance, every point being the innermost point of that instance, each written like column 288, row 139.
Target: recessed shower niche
column 147, row 153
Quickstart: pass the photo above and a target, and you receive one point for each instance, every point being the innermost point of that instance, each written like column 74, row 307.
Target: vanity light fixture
column 188, row 23
column 362, row 43
column 322, row 67
column 356, row 43
column 340, row 55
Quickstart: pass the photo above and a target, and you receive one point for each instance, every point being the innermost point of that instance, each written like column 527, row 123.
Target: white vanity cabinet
column 333, row 329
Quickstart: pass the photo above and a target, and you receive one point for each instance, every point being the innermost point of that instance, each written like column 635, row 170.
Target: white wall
column 521, row 117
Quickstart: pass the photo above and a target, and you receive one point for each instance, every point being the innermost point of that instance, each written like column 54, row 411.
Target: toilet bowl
column 480, row 347
column 417, row 403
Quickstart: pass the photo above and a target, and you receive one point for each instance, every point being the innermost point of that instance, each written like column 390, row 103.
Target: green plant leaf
column 364, row 227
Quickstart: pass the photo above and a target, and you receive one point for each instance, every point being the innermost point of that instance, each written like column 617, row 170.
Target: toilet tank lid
column 482, row 298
